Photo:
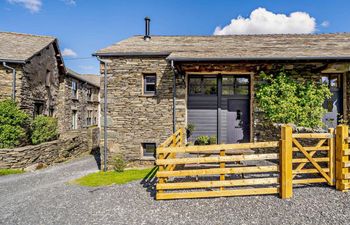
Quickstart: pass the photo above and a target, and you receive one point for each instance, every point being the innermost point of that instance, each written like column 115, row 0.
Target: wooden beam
column 211, row 194
column 218, row 171
column 217, row 159
column 305, row 160
column 310, row 181
column 206, row 148
column 313, row 135
column 304, row 171
column 286, row 166
column 213, row 184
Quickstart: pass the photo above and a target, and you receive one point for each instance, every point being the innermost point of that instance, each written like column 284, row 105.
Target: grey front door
column 238, row 121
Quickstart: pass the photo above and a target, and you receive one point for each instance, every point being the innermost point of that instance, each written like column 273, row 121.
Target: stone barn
column 157, row 84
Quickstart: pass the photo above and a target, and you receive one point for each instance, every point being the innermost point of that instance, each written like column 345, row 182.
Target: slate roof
column 17, row 47
column 275, row 46
column 88, row 78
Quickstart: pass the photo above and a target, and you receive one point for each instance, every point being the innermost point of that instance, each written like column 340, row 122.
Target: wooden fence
column 236, row 170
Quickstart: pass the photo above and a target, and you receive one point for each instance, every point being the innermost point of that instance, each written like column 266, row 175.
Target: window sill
column 148, row 95
column 147, row 158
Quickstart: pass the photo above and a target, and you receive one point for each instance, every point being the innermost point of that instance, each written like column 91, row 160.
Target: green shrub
column 212, row 140
column 119, row 164
column 13, row 125
column 43, row 128
column 285, row 100
column 202, row 140
column 189, row 130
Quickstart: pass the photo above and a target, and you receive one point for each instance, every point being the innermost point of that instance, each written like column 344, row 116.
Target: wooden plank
column 217, row 159
column 305, row 160
column 218, row 171
column 331, row 155
column 213, row 184
column 342, row 135
column 222, row 166
column 346, row 164
column 312, row 135
column 306, row 171
column 346, row 152
column 211, row 194
column 286, row 166
column 321, row 148
column 346, row 176
column 312, row 160
column 310, row 181
column 205, row 148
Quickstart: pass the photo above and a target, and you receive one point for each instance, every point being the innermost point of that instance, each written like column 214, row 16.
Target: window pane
column 195, row 85
column 228, row 80
column 242, row 90
column 149, row 149
column 325, row 80
column 227, row 90
column 210, row 87
column 242, row 81
column 150, row 79
column 334, row 81
column 150, row 88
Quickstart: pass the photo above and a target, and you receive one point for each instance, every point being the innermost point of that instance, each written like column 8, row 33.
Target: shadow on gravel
column 149, row 181
column 97, row 155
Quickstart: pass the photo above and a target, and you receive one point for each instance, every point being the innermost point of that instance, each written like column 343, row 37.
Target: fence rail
column 232, row 170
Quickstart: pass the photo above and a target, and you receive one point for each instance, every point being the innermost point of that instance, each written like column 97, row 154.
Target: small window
column 74, row 89
column 149, row 149
column 149, row 82
column 38, row 109
column 203, row 86
column 74, row 119
column 235, row 85
column 89, row 94
column 89, row 118
column 48, row 78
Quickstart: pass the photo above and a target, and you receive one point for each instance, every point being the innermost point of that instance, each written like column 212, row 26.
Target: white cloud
column 325, row 23
column 32, row 5
column 262, row 21
column 69, row 53
column 70, row 2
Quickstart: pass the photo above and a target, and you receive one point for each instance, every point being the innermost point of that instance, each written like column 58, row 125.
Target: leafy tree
column 13, row 125
column 285, row 100
column 43, row 128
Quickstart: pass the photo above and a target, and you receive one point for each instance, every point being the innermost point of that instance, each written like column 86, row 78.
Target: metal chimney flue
column 147, row 36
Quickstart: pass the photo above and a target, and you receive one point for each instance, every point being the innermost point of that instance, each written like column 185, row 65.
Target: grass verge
column 111, row 177
column 4, row 172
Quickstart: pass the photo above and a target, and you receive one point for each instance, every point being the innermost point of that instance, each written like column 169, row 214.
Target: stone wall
column 81, row 104
column 69, row 145
column 6, row 81
column 134, row 118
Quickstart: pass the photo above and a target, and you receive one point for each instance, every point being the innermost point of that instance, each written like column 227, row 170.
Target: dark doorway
column 238, row 121
column 334, row 104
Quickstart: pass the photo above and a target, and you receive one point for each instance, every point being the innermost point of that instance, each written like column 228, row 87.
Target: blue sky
column 85, row 26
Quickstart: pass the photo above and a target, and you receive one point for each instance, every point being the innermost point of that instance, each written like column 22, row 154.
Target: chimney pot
column 147, row 36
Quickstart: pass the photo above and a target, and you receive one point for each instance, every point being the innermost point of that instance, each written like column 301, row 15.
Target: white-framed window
column 89, row 94
column 149, row 84
column 74, row 89
column 148, row 149
column 89, row 118
column 74, row 119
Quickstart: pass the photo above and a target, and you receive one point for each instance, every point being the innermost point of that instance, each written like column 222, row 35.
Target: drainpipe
column 174, row 96
column 14, row 80
column 104, row 115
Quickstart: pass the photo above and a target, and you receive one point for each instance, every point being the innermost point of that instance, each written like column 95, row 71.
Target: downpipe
column 14, row 80
column 174, row 96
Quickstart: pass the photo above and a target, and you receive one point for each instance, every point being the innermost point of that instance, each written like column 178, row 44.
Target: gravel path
column 43, row 197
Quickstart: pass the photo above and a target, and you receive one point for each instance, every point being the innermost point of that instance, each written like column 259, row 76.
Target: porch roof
column 236, row 47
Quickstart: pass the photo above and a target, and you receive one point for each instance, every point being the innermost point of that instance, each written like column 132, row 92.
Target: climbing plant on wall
column 286, row 100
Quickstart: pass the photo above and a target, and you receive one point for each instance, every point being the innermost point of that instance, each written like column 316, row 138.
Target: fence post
column 286, row 166
column 342, row 134
column 331, row 155
column 222, row 166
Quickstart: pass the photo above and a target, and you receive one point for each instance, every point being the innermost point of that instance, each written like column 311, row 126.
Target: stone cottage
column 157, row 84
column 80, row 100
column 31, row 70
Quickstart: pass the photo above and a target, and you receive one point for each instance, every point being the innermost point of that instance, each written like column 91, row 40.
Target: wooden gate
column 238, row 170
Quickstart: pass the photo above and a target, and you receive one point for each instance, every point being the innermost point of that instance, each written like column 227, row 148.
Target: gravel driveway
column 43, row 197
